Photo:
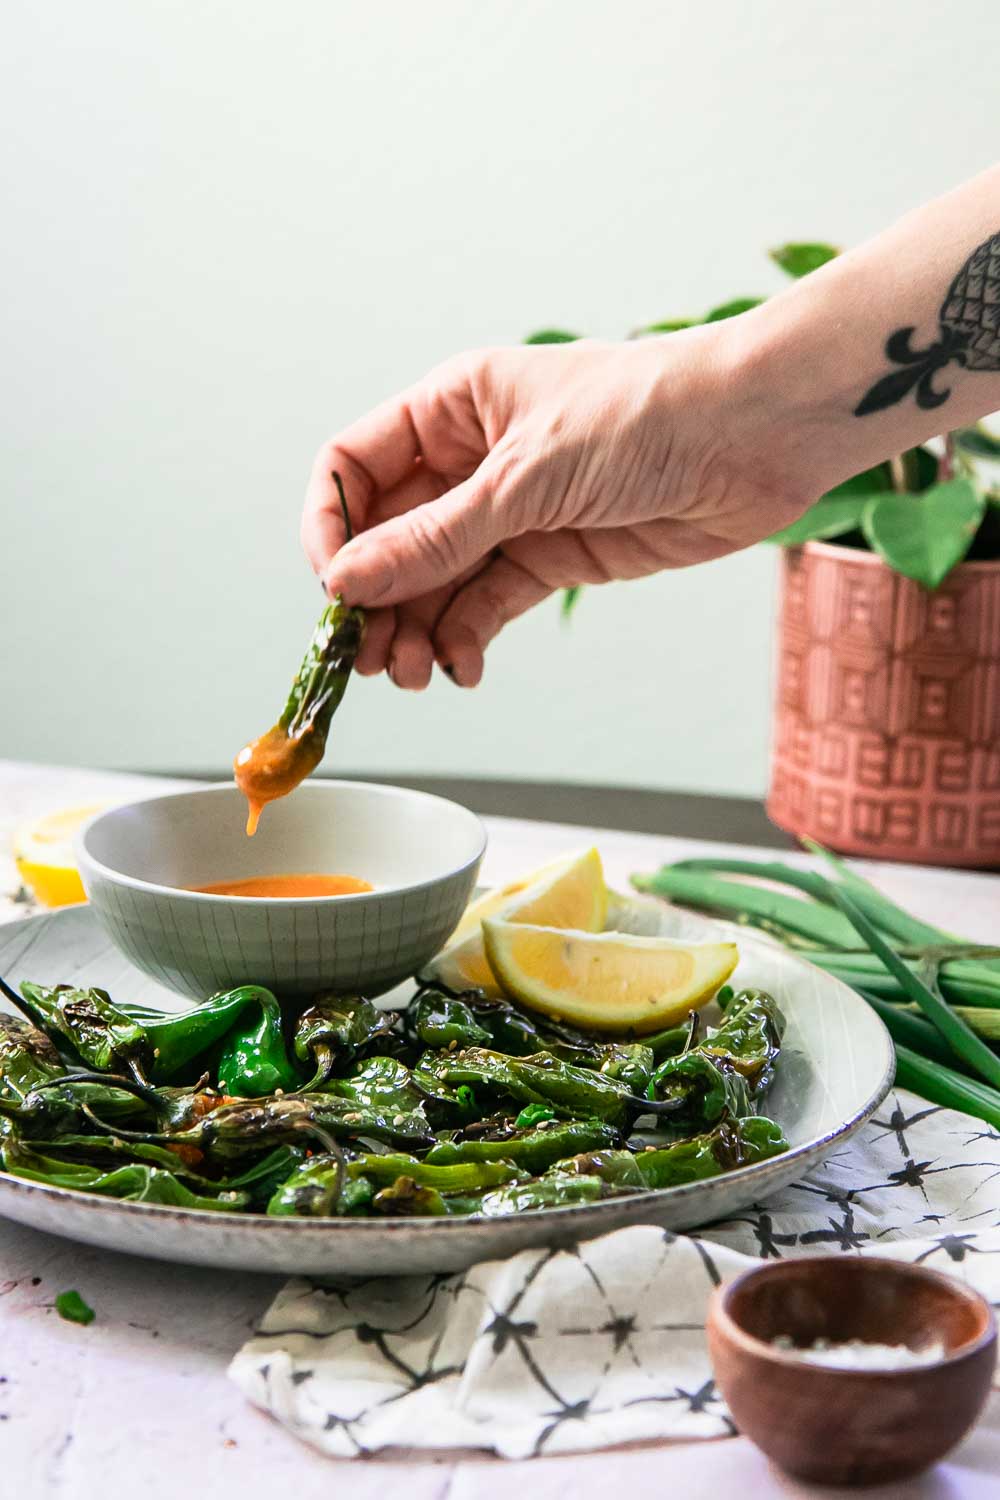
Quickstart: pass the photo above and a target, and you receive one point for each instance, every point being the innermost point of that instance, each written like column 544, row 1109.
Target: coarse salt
column 858, row 1354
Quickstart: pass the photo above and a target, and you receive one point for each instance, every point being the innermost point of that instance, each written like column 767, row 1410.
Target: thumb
column 424, row 549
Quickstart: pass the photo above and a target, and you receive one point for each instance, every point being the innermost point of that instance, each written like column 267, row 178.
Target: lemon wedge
column 607, row 981
column 568, row 892
column 43, row 853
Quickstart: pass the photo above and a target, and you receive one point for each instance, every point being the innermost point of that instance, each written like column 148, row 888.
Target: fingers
column 371, row 456
column 425, row 549
column 479, row 611
column 380, row 628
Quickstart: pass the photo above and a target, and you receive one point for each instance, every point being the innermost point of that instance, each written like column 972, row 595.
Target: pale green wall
column 230, row 227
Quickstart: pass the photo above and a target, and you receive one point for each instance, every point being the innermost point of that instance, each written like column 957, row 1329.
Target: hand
column 506, row 474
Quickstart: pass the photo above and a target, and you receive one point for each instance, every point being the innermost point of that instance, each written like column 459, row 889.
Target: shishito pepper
column 27, row 1058
column 533, row 1149
column 735, row 1143
column 438, row 1019
column 320, row 1189
column 540, row 1079
column 253, row 1061
column 379, row 1083
column 336, row 1032
column 456, row 1177
column 273, row 765
column 554, row 1190
column 729, row 1068
column 150, row 1045
column 135, row 1182
column 248, row 1125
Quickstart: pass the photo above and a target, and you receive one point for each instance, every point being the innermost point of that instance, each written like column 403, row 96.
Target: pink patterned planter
column 887, row 709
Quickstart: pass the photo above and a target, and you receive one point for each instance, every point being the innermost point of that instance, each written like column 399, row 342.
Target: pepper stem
column 343, row 504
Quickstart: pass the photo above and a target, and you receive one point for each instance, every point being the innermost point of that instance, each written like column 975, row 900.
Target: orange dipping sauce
column 288, row 886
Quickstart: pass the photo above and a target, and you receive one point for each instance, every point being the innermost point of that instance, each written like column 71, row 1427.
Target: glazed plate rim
column 433, row 1228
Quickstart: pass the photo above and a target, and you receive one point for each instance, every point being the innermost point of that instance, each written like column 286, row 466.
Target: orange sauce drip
column 288, row 886
column 271, row 767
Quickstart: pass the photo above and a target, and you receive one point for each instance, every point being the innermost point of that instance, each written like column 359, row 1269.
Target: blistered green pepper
column 253, row 1061
column 736, row 1143
column 437, row 1019
column 27, row 1058
column 408, row 1199
column 320, row 1189
column 136, row 1183
column 729, row 1068
column 533, row 1149
column 249, row 1125
column 540, row 1079
column 554, row 1190
column 150, row 1045
column 336, row 1031
column 379, row 1083
column 456, row 1177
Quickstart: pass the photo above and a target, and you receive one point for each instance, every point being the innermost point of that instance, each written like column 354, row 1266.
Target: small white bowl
column 421, row 853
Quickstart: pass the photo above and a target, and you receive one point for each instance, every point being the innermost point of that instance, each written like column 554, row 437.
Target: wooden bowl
column 853, row 1426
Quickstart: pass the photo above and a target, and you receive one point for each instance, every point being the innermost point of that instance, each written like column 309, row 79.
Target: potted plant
column 886, row 728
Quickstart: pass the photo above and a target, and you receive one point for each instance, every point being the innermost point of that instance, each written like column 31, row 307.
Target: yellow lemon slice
column 568, row 892
column 607, row 981
column 43, row 853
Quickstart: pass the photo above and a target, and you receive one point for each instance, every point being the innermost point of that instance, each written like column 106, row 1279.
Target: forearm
column 815, row 359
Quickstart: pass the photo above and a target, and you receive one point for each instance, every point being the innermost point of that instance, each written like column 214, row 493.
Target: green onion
column 883, row 912
column 910, row 1029
column 753, row 905
column 983, row 1020
column 963, row 984
column 959, row 1036
column 946, row 1087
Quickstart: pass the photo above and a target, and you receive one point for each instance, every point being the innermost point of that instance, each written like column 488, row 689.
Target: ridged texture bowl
column 421, row 853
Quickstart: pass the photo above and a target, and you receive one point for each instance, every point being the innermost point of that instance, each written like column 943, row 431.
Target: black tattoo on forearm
column 970, row 335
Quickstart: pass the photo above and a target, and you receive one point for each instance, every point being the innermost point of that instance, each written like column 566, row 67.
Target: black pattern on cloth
column 554, row 1351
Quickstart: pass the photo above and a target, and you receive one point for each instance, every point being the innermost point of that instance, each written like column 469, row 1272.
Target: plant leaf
column 832, row 515
column 552, row 336
column 977, row 441
column 924, row 536
column 569, row 600
column 837, row 512
column 800, row 259
column 732, row 309
column 671, row 325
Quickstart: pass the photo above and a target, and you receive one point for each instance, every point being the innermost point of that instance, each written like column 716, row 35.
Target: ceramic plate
column 835, row 1069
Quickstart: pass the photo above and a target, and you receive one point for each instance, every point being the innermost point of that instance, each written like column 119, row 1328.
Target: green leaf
column 671, row 325
column 552, row 336
column 732, row 309
column 832, row 515
column 977, row 441
column 71, row 1306
column 837, row 512
column 569, row 598
column 800, row 259
column 924, row 536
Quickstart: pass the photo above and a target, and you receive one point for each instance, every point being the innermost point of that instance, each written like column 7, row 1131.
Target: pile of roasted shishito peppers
column 458, row 1105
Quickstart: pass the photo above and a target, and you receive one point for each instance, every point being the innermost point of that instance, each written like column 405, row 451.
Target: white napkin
column 553, row 1351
